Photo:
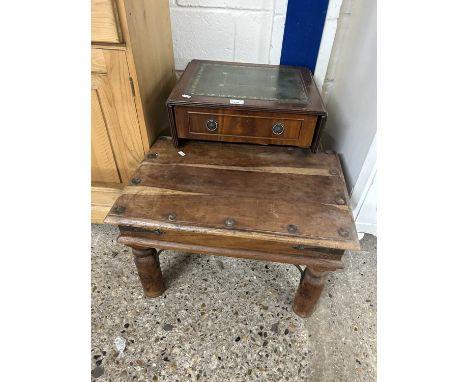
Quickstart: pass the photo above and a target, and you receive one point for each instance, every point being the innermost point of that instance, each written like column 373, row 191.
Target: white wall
column 350, row 96
column 350, row 88
column 326, row 44
column 227, row 30
column 240, row 30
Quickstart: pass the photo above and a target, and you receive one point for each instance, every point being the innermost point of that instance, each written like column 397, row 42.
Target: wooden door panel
column 103, row 166
column 104, row 22
column 98, row 62
column 114, row 91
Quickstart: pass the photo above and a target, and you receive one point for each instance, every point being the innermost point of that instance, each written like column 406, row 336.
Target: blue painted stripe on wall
column 303, row 32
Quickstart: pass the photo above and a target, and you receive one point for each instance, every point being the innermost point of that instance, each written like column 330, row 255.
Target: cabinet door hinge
column 132, row 86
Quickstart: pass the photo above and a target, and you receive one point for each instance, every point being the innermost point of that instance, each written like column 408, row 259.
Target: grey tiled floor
column 224, row 319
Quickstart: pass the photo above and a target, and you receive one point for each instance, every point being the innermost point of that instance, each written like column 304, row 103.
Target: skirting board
column 361, row 190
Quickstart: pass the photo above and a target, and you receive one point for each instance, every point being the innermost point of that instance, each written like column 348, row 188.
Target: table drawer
column 105, row 22
column 244, row 126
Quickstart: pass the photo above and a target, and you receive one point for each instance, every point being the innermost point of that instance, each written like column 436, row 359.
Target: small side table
column 267, row 203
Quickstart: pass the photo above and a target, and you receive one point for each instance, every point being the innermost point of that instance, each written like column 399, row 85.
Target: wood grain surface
column 98, row 62
column 149, row 271
column 273, row 194
column 146, row 28
column 235, row 125
column 239, row 253
column 117, row 106
column 103, row 166
column 230, row 242
column 309, row 291
column 104, row 22
column 103, row 196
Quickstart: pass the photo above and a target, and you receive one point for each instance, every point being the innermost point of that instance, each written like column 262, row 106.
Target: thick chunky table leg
column 147, row 264
column 309, row 291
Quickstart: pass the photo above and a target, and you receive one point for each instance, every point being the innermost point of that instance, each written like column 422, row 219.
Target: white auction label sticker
column 236, row 101
column 181, row 153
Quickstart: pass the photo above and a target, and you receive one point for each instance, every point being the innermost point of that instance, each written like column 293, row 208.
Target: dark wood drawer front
column 244, row 126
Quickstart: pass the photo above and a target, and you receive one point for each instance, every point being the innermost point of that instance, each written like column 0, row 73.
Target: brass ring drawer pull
column 211, row 124
column 278, row 128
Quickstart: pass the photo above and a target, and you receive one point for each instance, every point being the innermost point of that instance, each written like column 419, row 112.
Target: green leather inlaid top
column 248, row 82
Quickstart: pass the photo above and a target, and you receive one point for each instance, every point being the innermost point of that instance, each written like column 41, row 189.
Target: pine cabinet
column 132, row 74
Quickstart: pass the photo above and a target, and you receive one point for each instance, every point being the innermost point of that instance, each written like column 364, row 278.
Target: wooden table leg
column 309, row 291
column 147, row 264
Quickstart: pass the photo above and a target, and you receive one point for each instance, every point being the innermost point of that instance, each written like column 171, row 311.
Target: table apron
column 325, row 264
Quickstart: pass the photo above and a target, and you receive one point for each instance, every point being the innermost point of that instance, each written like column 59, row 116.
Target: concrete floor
column 224, row 319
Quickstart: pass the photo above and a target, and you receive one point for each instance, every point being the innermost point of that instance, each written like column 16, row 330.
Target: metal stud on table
column 340, row 200
column 119, row 210
column 229, row 222
column 343, row 232
column 292, row 228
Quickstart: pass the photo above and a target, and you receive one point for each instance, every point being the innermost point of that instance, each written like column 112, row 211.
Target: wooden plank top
column 280, row 194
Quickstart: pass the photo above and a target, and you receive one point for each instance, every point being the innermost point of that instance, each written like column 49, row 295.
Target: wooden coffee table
column 267, row 203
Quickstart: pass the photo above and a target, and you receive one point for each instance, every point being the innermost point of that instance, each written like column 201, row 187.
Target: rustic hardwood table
column 267, row 203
